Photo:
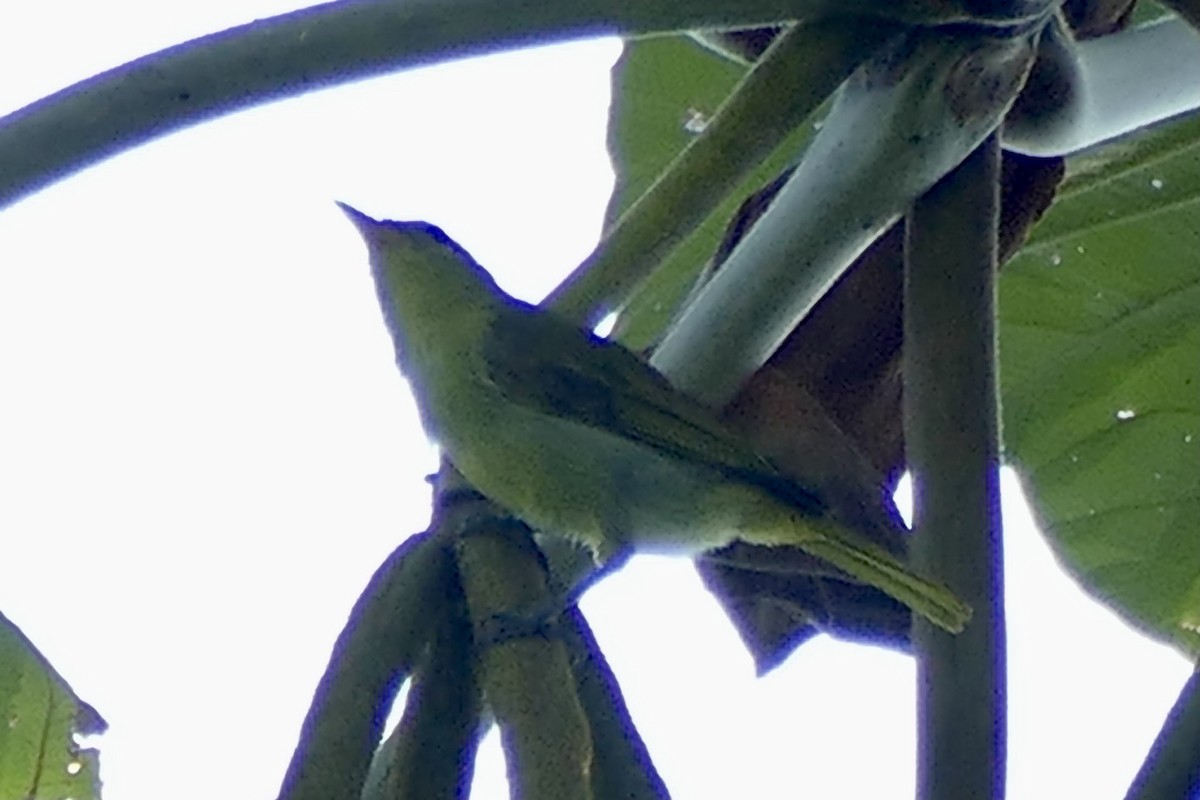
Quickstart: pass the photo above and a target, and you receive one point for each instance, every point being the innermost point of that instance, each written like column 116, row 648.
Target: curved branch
column 1120, row 83
column 384, row 636
column 335, row 43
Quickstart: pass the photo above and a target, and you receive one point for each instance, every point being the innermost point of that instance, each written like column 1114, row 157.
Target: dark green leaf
column 663, row 88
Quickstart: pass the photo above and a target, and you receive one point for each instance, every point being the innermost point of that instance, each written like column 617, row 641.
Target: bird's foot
column 503, row 628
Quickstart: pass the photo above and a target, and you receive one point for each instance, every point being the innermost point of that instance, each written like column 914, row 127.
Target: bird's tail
column 875, row 566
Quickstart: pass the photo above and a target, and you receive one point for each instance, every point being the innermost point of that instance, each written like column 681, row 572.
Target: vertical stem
column 524, row 670
column 527, row 680
column 952, row 430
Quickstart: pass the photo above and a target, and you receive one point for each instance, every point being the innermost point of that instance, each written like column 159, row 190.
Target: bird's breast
column 596, row 487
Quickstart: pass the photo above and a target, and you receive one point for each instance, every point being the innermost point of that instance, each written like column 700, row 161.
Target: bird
column 579, row 437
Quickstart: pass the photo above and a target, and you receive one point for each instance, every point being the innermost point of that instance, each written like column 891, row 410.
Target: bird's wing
column 540, row 360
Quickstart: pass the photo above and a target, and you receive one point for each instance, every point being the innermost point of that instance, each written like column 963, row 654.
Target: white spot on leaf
column 695, row 121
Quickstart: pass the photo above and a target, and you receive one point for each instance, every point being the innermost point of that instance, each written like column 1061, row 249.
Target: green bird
column 579, row 437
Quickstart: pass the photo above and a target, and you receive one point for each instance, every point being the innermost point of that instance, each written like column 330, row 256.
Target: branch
column 903, row 121
column 431, row 753
column 384, row 636
column 1118, row 84
column 335, row 43
column 622, row 767
column 952, row 433
column 800, row 70
column 525, row 672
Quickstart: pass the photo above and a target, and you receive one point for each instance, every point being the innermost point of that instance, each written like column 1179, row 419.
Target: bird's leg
column 545, row 620
column 474, row 515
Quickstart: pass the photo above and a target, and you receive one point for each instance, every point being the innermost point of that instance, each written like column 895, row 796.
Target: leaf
column 1100, row 352
column 662, row 87
column 39, row 718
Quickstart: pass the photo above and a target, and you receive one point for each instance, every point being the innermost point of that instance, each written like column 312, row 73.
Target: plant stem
column 1120, row 84
column 1187, row 9
column 622, row 767
column 384, row 636
column 803, row 67
column 331, row 44
column 952, row 431
column 526, row 675
column 902, row 121
column 431, row 753
column 1172, row 768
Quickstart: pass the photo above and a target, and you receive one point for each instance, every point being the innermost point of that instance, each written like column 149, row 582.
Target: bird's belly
column 598, row 488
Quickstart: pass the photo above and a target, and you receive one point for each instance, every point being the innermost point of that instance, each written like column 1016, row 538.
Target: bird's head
column 414, row 252
column 423, row 277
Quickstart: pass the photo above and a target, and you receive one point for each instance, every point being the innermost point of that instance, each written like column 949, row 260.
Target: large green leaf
column 1100, row 349
column 39, row 718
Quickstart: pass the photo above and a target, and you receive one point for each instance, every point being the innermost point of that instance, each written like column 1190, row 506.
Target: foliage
column 1099, row 339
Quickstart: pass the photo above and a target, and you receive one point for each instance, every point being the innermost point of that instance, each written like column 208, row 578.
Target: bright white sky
column 206, row 449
